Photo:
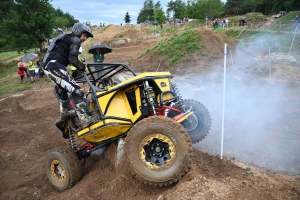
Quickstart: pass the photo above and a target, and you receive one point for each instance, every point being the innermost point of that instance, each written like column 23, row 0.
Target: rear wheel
column 159, row 150
column 198, row 124
column 63, row 168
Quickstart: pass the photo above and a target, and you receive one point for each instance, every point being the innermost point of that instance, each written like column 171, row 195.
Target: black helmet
column 80, row 28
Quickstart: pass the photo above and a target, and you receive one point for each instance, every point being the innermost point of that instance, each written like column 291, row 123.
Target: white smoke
column 261, row 113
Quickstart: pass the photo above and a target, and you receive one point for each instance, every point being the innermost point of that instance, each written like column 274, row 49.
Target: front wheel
column 158, row 149
column 198, row 124
column 63, row 168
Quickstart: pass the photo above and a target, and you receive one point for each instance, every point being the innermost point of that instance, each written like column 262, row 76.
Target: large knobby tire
column 159, row 150
column 63, row 168
column 198, row 124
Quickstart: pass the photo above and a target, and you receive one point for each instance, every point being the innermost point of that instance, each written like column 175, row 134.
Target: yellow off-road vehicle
column 146, row 111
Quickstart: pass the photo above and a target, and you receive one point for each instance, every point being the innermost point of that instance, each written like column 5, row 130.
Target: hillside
column 261, row 129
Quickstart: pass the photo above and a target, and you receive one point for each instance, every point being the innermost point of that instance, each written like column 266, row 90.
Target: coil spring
column 72, row 141
column 148, row 90
column 177, row 93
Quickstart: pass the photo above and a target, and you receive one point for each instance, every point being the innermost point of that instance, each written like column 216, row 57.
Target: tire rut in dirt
column 159, row 150
column 69, row 167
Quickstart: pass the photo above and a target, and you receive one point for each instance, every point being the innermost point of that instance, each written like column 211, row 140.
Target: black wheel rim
column 157, row 152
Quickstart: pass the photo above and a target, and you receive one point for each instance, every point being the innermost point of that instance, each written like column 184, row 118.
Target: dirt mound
column 210, row 55
column 112, row 29
column 286, row 72
column 214, row 43
column 111, row 32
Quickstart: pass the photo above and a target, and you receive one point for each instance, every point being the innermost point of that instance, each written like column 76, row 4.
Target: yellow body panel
column 163, row 83
column 99, row 134
column 138, row 102
column 103, row 100
column 142, row 75
column 115, row 104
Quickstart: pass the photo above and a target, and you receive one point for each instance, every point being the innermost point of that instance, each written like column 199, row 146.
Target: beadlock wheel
column 157, row 152
column 58, row 171
column 63, row 168
column 158, row 149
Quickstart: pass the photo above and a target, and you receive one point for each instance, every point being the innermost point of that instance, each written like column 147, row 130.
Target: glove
column 75, row 73
column 81, row 67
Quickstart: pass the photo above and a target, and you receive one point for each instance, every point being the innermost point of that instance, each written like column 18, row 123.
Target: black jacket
column 65, row 51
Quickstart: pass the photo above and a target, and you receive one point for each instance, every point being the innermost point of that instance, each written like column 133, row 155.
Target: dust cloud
column 261, row 123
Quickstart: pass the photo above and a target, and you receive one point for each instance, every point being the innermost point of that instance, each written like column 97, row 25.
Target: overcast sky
column 106, row 11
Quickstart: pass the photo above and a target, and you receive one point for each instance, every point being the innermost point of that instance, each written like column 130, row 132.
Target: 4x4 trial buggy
column 146, row 110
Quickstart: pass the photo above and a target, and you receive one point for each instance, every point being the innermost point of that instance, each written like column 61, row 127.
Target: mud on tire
column 158, row 149
column 63, row 168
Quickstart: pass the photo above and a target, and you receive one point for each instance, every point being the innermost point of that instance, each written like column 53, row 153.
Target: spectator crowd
column 31, row 71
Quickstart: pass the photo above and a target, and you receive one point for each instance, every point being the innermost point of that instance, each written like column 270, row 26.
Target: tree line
column 27, row 24
column 202, row 9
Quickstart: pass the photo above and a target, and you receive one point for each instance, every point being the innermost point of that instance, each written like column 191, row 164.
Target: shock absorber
column 72, row 141
column 177, row 93
column 148, row 93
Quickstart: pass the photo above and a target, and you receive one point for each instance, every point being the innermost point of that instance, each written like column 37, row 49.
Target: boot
column 84, row 118
column 64, row 111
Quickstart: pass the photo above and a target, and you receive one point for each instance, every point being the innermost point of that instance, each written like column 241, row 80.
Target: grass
column 11, row 54
column 278, row 36
column 286, row 23
column 8, row 69
column 249, row 172
column 179, row 46
column 8, row 55
column 154, row 29
column 219, row 30
column 196, row 181
column 14, row 85
column 10, row 81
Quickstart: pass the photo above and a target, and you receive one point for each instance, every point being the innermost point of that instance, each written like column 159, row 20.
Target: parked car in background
column 280, row 14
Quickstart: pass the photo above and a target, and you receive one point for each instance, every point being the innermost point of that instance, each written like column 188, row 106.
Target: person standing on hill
column 37, row 73
column 215, row 23
column 41, row 72
column 31, row 68
column 21, row 74
column 21, row 71
column 98, row 57
column 63, row 51
column 226, row 22
column 25, row 65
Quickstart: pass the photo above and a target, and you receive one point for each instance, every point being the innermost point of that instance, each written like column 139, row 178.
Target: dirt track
column 267, row 137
